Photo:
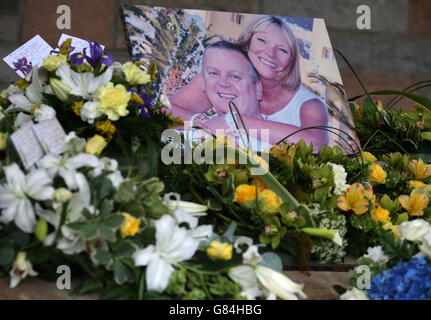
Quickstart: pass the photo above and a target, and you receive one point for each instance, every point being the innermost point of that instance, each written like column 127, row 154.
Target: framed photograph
column 270, row 76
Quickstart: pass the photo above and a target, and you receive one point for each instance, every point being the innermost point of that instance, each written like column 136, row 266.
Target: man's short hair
column 226, row 45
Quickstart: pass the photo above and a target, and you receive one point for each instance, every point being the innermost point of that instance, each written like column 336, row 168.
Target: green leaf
column 102, row 256
column 122, row 273
column 125, row 191
column 107, row 233
column 124, row 249
column 271, row 260
column 88, row 231
column 113, row 221
column 423, row 101
column 7, row 256
column 135, row 208
column 106, row 208
column 275, row 240
column 402, row 218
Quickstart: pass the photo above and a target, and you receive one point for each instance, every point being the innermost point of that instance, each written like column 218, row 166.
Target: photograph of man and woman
column 279, row 72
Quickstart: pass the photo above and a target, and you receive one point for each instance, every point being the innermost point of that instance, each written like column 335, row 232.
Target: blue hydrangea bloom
column 406, row 281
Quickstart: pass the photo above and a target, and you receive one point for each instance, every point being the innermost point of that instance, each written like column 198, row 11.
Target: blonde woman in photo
column 285, row 106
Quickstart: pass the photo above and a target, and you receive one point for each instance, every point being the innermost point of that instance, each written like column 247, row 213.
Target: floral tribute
column 143, row 233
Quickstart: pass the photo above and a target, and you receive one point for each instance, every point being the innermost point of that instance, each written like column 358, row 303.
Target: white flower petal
column 142, row 257
column 25, row 218
column 158, row 274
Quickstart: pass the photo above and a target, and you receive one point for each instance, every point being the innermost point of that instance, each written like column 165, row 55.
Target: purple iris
column 22, row 65
column 96, row 55
column 77, row 59
column 147, row 102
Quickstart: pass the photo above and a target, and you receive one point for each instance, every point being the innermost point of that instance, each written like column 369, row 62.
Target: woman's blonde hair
column 291, row 78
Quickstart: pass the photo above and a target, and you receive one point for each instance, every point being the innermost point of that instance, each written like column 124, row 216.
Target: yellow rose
column 377, row 174
column 3, row 139
column 113, row 100
column 134, row 75
column 219, row 251
column 380, row 215
column 271, row 199
column 95, row 145
column 414, row 184
column 53, row 62
column 245, row 192
column 130, row 225
column 369, row 157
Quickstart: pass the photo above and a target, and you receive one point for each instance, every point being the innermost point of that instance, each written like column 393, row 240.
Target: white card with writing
column 34, row 51
column 27, row 145
column 51, row 135
column 78, row 43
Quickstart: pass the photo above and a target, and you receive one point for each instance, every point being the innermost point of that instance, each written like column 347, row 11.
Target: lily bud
column 324, row 233
column 62, row 195
column 41, row 229
column 60, row 89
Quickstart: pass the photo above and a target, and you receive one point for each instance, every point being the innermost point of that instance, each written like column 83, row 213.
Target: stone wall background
column 395, row 53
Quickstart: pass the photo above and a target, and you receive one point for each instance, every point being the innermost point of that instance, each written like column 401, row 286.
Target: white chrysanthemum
column 90, row 111
column 414, row 230
column 44, row 112
column 425, row 246
column 354, row 294
column 377, row 255
column 340, row 176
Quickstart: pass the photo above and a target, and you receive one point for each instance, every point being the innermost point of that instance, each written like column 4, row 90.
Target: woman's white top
column 290, row 114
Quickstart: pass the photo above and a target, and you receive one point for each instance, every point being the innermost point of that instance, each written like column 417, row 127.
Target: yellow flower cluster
column 106, row 128
column 219, row 251
column 420, row 169
column 113, row 100
column 76, row 107
column 415, row 203
column 357, row 198
column 245, row 192
column 377, row 174
column 136, row 98
column 22, row 84
column 95, row 145
column 53, row 62
column 285, row 152
column 271, row 200
column 379, row 214
column 134, row 75
column 130, row 225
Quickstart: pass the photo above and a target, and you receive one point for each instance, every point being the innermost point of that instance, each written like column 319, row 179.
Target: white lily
column 21, row 269
column 245, row 276
column 31, row 98
column 66, row 167
column 173, row 245
column 84, row 84
column 15, row 195
column 70, row 241
column 278, row 284
column 251, row 255
column 194, row 209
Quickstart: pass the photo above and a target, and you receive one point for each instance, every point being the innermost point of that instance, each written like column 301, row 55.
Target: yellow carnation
column 245, row 192
column 380, row 214
column 414, row 184
column 134, row 75
column 53, row 62
column 130, row 225
column 377, row 174
column 271, row 199
column 95, row 145
column 3, row 139
column 219, row 251
column 113, row 100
